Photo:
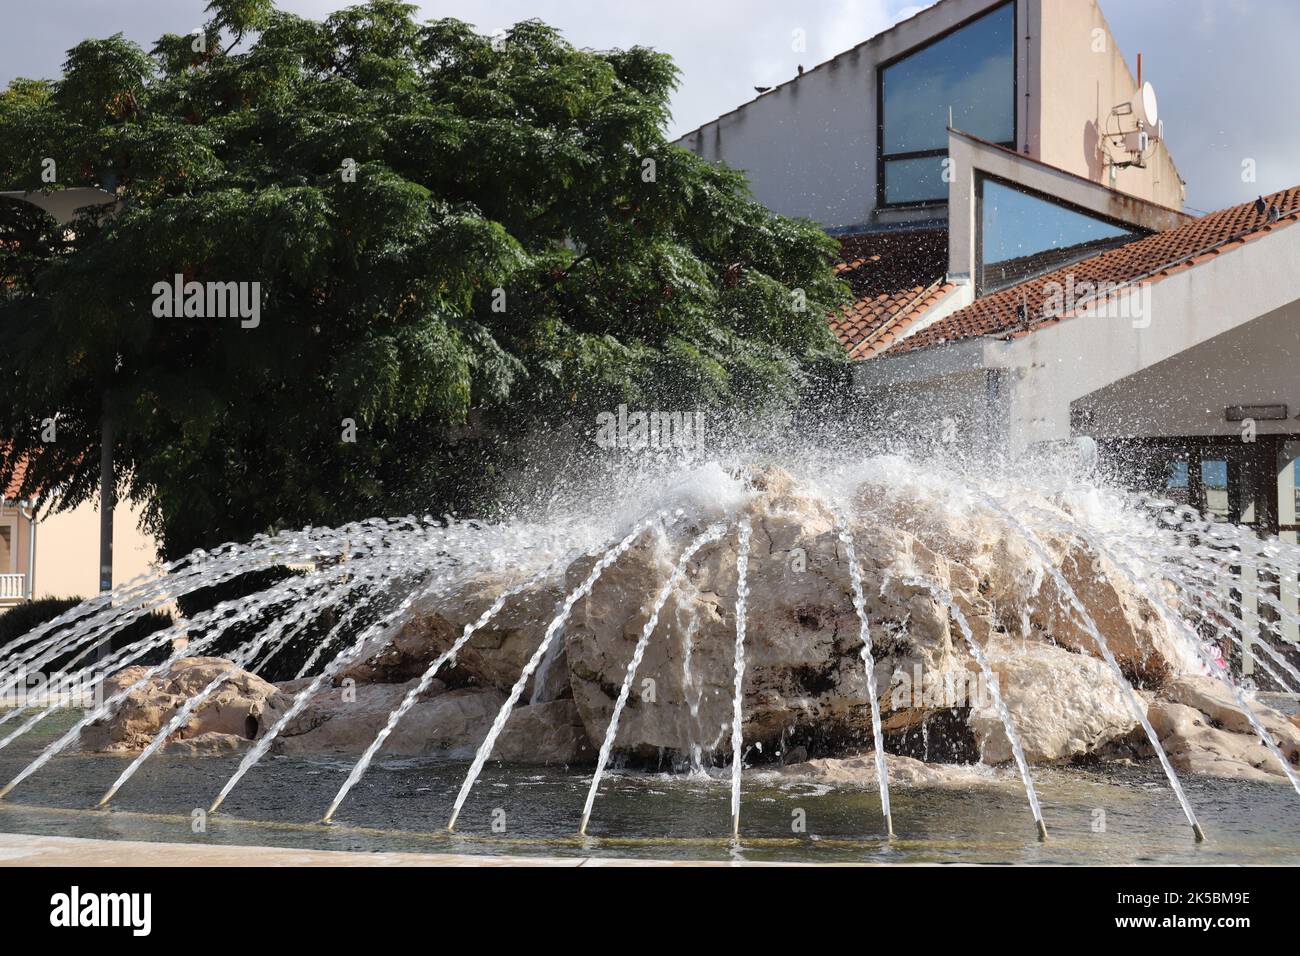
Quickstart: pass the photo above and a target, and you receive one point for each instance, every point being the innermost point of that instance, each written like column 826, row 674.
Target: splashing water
column 369, row 579
column 999, row 705
column 738, row 702
column 485, row 751
column 423, row 684
column 607, row 746
column 1219, row 671
column 1107, row 654
column 868, row 662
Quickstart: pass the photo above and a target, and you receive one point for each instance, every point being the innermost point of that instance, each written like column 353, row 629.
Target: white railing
column 13, row 587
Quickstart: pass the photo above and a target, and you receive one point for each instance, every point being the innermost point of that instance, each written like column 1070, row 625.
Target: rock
column 1132, row 628
column 550, row 733
column 452, row 723
column 1211, row 699
column 494, row 656
column 343, row 719
column 860, row 773
column 1062, row 704
column 804, row 672
column 1004, row 570
column 1194, row 746
column 206, row 745
column 235, row 710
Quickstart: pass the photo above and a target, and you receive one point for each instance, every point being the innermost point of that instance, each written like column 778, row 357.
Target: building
column 58, row 555
column 1012, row 227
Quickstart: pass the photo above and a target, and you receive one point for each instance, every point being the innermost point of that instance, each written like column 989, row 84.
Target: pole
column 28, row 510
column 107, row 501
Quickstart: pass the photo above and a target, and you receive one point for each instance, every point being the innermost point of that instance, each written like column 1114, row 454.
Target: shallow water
column 1120, row 816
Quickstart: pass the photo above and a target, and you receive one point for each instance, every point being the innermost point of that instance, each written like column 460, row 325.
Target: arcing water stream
column 371, row 579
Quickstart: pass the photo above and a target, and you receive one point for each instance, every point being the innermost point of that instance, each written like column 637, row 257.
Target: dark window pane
column 915, row 180
column 972, row 70
column 1024, row 235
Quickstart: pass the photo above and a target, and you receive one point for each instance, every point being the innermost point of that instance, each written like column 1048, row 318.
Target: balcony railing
column 13, row 588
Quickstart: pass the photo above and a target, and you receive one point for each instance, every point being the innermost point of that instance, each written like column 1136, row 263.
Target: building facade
column 57, row 555
column 1025, row 277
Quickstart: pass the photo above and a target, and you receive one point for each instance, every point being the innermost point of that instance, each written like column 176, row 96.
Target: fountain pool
column 451, row 682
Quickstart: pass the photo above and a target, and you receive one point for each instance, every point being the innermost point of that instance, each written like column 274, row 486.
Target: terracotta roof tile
column 1148, row 259
column 895, row 277
column 12, row 490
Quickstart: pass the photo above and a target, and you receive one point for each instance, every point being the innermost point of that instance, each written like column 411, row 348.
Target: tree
column 455, row 238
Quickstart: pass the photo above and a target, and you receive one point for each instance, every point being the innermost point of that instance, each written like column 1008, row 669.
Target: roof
column 12, row 490
column 1145, row 260
column 896, row 277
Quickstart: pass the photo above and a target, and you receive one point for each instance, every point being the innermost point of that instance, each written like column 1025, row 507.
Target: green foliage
column 22, row 618
column 519, row 166
column 18, row 620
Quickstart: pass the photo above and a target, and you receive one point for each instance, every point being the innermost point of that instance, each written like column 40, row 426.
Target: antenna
column 1134, row 127
column 1145, row 106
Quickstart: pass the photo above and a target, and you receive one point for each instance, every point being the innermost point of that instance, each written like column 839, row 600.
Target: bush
column 23, row 618
column 19, row 620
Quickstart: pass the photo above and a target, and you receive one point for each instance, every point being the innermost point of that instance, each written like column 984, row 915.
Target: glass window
column 1176, row 476
column 971, row 71
column 1023, row 235
column 915, row 180
column 1214, row 485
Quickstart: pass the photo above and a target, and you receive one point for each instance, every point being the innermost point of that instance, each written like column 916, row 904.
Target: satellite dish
column 1145, row 107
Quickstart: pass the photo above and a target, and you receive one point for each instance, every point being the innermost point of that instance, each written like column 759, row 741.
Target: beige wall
column 808, row 146
column 1075, row 91
column 67, row 551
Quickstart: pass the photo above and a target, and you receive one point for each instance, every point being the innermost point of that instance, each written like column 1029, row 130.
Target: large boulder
column 442, row 722
column 232, row 716
column 1193, row 744
column 1203, row 730
column 1062, row 704
column 803, row 667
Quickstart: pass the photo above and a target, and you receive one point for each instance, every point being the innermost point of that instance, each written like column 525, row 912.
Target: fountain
column 817, row 616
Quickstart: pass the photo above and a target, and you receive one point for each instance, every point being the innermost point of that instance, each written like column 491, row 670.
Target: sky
column 1225, row 70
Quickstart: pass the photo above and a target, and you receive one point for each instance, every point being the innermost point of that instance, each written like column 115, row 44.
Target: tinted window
column 1024, row 235
column 971, row 71
column 915, row 180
